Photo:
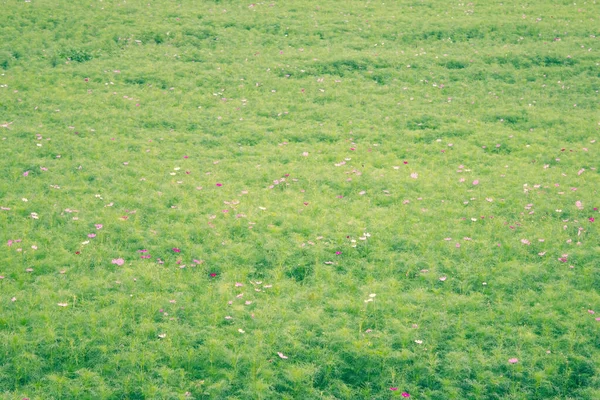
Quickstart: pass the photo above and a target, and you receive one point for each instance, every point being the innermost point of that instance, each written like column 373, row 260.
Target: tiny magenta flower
column 176, row 250
column 213, row 274
column 219, row 184
column 592, row 219
column 337, row 253
column 405, row 394
column 118, row 261
column 393, row 389
column 513, row 360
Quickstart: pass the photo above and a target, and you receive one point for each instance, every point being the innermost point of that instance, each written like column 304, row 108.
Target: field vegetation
column 299, row 199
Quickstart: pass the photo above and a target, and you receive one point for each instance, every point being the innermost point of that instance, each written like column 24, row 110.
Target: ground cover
column 299, row 200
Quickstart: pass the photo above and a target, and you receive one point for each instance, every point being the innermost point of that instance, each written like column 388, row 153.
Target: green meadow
column 299, row 199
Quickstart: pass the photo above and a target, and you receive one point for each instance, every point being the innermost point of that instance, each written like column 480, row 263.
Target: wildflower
column 118, row 261
column 281, row 355
column 337, row 253
column 513, row 360
column 213, row 274
column 393, row 389
column 176, row 250
column 219, row 184
column 91, row 235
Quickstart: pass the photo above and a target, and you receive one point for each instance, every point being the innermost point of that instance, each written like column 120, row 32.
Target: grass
column 250, row 149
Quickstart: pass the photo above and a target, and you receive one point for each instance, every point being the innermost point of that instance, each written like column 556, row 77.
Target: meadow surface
column 299, row 199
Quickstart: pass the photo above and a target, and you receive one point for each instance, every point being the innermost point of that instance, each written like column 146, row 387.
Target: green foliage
column 299, row 200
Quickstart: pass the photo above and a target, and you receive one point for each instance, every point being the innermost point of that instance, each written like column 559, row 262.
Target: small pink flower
column 176, row 250
column 405, row 394
column 513, row 360
column 25, row 173
column 337, row 253
column 92, row 235
column 212, row 274
column 185, row 157
column 98, row 226
column 393, row 389
column 475, row 182
column 142, row 251
column 118, row 261
column 219, row 184
column 591, row 219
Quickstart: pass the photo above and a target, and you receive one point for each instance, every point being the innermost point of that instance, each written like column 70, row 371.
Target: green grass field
column 299, row 200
